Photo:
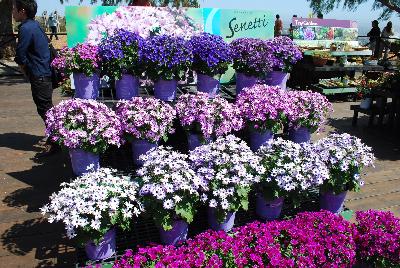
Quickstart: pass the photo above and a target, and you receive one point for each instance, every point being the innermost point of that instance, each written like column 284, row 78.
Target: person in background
column 278, row 28
column 385, row 43
column 45, row 17
column 320, row 15
column 291, row 27
column 374, row 36
column 33, row 58
column 53, row 24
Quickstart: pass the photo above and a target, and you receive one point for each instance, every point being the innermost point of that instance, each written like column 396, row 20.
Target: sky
column 285, row 8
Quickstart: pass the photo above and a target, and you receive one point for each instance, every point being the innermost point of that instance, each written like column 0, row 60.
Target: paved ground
column 28, row 241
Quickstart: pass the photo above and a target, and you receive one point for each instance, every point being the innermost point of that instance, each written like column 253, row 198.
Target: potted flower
column 121, row 56
column 229, row 167
column 166, row 59
column 144, row 122
column 345, row 156
column 84, row 63
column 290, row 169
column 212, row 56
column 320, row 58
column 87, row 128
column 262, row 108
column 251, row 60
column 286, row 53
column 364, row 90
column 170, row 191
column 307, row 112
column 92, row 206
column 205, row 119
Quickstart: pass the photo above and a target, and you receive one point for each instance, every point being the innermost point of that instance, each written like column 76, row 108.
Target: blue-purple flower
column 285, row 53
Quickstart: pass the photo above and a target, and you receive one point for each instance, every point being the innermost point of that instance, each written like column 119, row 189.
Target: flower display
column 378, row 238
column 83, row 58
column 286, row 53
column 229, row 167
column 308, row 33
column 307, row 109
column 263, row 107
column 345, row 156
column 93, row 203
column 121, row 53
column 289, row 168
column 212, row 55
column 143, row 21
column 210, row 117
column 167, row 57
column 83, row 124
column 145, row 118
column 251, row 56
column 170, row 188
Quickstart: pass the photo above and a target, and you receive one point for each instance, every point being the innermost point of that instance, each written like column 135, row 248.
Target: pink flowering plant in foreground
column 208, row 117
column 92, row 204
column 83, row 58
column 145, row 118
column 169, row 187
column 83, row 124
column 263, row 107
column 345, row 156
column 230, row 169
column 378, row 239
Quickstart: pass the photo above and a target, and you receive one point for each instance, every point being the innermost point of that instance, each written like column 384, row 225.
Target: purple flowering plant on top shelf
column 209, row 117
column 285, row 52
column 167, row 57
column 145, row 118
column 121, row 53
column 212, row 55
column 169, row 187
column 230, row 169
column 251, row 56
column 345, row 156
column 83, row 58
column 83, row 124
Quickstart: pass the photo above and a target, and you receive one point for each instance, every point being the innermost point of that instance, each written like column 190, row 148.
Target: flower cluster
column 229, row 167
column 378, row 239
column 167, row 57
column 345, row 156
column 170, row 188
column 317, row 239
column 286, row 53
column 121, row 54
column 93, row 203
column 212, row 54
column 290, row 168
column 145, row 118
column 263, row 107
column 210, row 117
column 307, row 109
column 84, row 124
column 83, row 58
column 251, row 56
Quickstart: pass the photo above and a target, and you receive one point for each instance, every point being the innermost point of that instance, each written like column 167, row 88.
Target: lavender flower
column 285, row 52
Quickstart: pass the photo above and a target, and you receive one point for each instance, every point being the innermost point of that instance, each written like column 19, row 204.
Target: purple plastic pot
column 86, row 87
column 165, row 90
column 83, row 162
column 127, row 87
column 226, row 226
column 208, row 84
column 243, row 81
column 299, row 135
column 259, row 138
column 194, row 141
column 277, row 78
column 268, row 210
column 177, row 234
column 104, row 250
column 140, row 147
column 332, row 202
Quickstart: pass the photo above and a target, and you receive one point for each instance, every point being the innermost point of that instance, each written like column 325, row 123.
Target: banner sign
column 302, row 22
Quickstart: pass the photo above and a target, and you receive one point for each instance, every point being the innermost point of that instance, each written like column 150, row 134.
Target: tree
column 388, row 7
column 6, row 28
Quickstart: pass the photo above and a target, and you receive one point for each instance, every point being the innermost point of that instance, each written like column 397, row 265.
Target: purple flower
column 285, row 52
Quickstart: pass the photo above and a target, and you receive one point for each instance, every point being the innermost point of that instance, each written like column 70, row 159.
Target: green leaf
column 186, row 211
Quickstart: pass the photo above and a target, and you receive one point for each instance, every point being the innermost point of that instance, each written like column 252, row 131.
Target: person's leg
column 53, row 32
column 42, row 92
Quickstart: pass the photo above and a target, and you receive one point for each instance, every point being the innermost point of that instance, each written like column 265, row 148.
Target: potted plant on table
column 320, row 58
column 92, row 206
column 205, row 119
column 87, row 128
column 345, row 156
column 170, row 191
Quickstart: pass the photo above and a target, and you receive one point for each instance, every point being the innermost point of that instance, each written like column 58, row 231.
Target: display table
column 338, row 90
column 340, row 53
column 348, row 68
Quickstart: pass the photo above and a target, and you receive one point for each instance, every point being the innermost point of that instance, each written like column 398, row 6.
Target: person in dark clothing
column 33, row 58
column 374, row 36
